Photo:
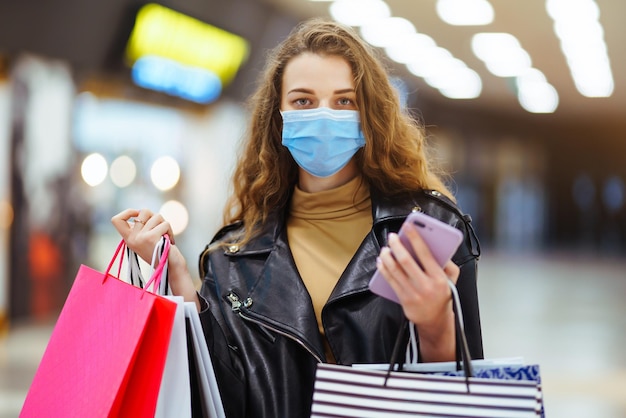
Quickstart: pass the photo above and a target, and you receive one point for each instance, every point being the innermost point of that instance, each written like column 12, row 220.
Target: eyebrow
column 308, row 91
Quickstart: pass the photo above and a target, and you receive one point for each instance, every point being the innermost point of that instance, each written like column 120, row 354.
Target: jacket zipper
column 236, row 306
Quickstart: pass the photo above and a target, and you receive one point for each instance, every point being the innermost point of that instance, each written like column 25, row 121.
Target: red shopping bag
column 106, row 354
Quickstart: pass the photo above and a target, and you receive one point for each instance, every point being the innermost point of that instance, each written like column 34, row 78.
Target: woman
column 331, row 168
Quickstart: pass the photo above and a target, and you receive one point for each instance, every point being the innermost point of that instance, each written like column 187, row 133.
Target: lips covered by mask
column 322, row 140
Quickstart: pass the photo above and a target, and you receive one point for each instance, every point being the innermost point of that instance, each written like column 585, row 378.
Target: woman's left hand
column 423, row 291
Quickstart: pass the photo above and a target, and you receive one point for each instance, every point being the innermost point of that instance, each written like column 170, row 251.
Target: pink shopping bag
column 106, row 354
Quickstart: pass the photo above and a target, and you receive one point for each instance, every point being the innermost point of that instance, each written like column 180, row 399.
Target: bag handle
column 161, row 269
column 460, row 331
column 120, row 247
column 158, row 267
column 464, row 363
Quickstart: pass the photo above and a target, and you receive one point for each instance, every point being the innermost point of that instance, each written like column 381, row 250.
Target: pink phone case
column 442, row 239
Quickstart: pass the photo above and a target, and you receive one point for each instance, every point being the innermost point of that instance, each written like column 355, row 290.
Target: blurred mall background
column 112, row 104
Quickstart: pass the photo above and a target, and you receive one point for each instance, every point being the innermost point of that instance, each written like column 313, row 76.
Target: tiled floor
column 569, row 315
column 566, row 313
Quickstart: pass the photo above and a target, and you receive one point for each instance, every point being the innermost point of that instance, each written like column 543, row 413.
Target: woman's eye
column 345, row 101
column 302, row 102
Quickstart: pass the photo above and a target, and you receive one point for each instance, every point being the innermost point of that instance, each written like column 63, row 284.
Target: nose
column 324, row 103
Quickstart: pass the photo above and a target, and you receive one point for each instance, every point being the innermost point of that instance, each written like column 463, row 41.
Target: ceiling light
column 446, row 75
column 429, row 62
column 463, row 83
column 488, row 46
column 441, row 70
column 593, row 80
column 409, row 48
column 577, row 26
column 535, row 94
column 403, row 44
column 383, row 32
column 510, row 64
column 465, row 12
column 574, row 9
column 501, row 53
column 359, row 12
column 531, row 75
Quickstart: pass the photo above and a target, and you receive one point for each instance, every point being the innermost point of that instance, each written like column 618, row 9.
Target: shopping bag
column 200, row 397
column 174, row 400
column 107, row 351
column 456, row 389
column 502, row 368
column 205, row 392
column 342, row 391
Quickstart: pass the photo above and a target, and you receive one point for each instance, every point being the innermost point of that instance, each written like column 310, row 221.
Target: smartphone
column 442, row 239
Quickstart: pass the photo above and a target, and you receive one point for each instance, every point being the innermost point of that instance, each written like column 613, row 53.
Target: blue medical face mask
column 322, row 140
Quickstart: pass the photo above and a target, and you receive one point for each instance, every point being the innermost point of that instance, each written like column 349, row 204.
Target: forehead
column 317, row 71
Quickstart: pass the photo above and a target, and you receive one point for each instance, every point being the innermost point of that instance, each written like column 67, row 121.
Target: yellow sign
column 163, row 32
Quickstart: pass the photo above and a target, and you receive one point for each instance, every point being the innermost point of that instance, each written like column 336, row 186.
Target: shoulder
column 227, row 233
column 438, row 205
column 390, row 212
column 228, row 241
column 432, row 202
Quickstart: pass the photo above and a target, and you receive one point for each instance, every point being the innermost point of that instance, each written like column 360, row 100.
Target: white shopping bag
column 189, row 386
column 210, row 399
column 175, row 394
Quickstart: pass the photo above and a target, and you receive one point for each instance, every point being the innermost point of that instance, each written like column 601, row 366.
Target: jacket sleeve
column 226, row 362
column 466, row 258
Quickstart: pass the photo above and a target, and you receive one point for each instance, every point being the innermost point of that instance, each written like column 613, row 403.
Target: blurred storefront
column 155, row 124
column 76, row 158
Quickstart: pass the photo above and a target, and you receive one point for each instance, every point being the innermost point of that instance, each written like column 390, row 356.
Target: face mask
column 322, row 140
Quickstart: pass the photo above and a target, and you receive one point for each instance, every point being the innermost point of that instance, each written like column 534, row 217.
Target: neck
column 311, row 184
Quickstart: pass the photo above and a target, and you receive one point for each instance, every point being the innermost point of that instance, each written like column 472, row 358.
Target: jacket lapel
column 277, row 284
column 356, row 277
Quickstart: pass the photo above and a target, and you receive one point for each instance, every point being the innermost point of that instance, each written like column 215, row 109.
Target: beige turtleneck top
column 324, row 230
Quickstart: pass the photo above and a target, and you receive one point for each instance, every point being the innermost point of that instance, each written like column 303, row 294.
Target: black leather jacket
column 261, row 328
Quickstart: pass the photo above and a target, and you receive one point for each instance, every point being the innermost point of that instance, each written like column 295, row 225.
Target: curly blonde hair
column 393, row 160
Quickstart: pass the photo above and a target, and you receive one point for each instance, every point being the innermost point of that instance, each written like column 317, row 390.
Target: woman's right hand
column 141, row 230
